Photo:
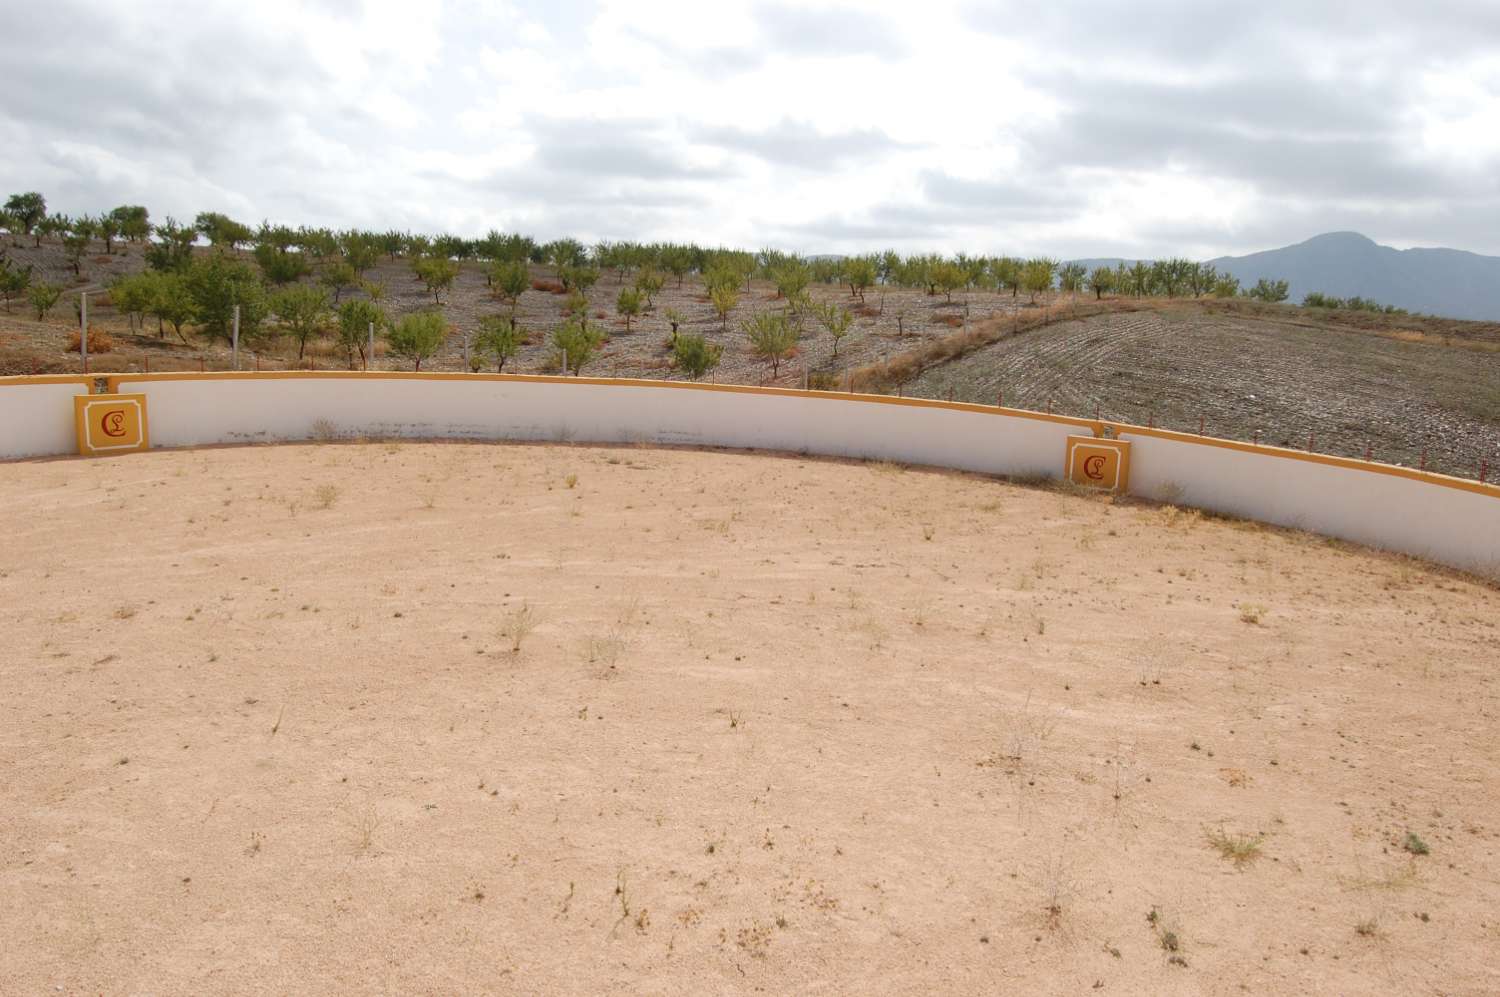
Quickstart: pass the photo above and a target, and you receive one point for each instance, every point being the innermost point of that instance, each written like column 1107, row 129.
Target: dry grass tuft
column 1241, row 849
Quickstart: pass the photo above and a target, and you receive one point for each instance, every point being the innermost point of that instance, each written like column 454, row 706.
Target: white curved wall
column 36, row 416
column 1450, row 521
column 190, row 412
column 1453, row 524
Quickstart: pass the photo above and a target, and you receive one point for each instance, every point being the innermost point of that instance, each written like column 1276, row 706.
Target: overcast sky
column 1068, row 127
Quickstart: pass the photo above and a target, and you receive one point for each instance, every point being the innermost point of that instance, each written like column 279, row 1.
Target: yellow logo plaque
column 1097, row 463
column 110, row 423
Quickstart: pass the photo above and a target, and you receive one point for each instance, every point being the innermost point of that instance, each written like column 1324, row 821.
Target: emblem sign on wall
column 1098, row 463
column 110, row 423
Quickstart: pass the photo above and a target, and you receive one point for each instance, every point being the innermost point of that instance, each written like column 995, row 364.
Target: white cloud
column 1196, row 126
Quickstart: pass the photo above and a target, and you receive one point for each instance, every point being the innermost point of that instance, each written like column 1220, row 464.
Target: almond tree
column 772, row 338
column 437, row 273
column 500, row 337
column 695, row 356
column 948, row 277
column 649, row 283
column 355, row 319
column 836, row 320
column 338, row 276
column 1101, row 281
column 859, row 273
column 575, row 344
column 1071, row 277
column 510, row 281
column 724, row 298
column 628, row 304
column 13, row 280
column 303, row 311
column 43, row 296
column 1037, row 275
column 28, row 210
column 418, row 336
column 674, row 319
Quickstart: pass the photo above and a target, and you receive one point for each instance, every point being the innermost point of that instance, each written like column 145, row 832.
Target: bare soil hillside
column 416, row 718
column 887, row 322
column 1264, row 376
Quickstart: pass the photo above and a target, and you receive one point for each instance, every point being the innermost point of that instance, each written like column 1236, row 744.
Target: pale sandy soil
column 785, row 726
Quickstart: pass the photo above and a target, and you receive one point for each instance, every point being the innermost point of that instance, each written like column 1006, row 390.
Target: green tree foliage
column 354, row 320
column 579, row 278
column 28, row 210
column 678, row 260
column 948, row 278
column 77, row 241
column 1271, row 291
column 1007, row 274
column 132, row 220
column 565, row 253
column 1226, row 286
column 1201, row 278
column 1139, row 279
column 1037, row 275
column 695, row 356
column 577, row 306
column 173, row 248
column 218, row 282
column 1172, row 277
column 718, row 276
column 303, row 311
column 575, row 344
column 724, row 297
column 222, row 231
column 501, row 338
column 55, row 224
column 171, row 300
column 836, row 320
column 338, row 277
column 279, row 265
column 361, row 252
column 772, row 338
column 510, row 279
column 1071, row 277
column 416, row 337
column 628, row 304
column 43, row 296
column 436, row 273
column 132, row 295
column 859, row 274
column 1101, row 281
column 791, row 277
column 649, row 282
column 674, row 319
column 108, row 228
column 13, row 280
column 1316, row 299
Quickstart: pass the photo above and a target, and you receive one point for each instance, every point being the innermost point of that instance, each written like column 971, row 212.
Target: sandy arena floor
column 783, row 725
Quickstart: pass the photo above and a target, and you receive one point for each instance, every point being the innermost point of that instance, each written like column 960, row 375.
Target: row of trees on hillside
column 340, row 259
column 305, row 283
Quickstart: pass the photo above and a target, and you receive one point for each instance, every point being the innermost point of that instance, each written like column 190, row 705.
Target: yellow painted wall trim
column 21, row 380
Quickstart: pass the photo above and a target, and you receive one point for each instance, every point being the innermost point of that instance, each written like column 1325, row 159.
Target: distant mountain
column 1446, row 282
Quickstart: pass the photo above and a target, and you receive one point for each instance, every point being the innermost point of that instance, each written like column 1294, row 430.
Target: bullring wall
column 1449, row 520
